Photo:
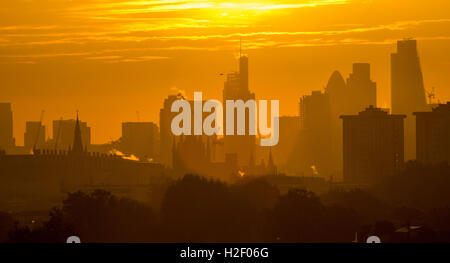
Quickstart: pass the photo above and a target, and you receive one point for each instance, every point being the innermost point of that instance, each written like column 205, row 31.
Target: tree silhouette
column 298, row 216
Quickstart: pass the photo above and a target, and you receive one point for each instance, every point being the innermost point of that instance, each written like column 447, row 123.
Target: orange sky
column 111, row 58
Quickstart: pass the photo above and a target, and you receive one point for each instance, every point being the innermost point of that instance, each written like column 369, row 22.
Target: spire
column 270, row 162
column 77, row 141
column 272, row 169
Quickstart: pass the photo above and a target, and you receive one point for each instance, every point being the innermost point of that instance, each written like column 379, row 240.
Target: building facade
column 407, row 89
column 140, row 139
column 433, row 135
column 236, row 87
column 34, row 136
column 63, row 134
column 166, row 135
column 372, row 145
column 315, row 134
column 42, row 179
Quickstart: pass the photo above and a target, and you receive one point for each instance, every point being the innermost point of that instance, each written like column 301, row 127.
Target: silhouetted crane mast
column 431, row 96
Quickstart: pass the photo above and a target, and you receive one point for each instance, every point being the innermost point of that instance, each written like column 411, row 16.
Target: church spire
column 271, row 167
column 270, row 162
column 77, row 147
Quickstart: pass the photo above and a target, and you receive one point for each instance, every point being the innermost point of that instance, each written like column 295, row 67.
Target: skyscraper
column 284, row 152
column 348, row 98
column 361, row 89
column 373, row 145
column 6, row 127
column 236, row 88
column 243, row 72
column 315, row 132
column 339, row 103
column 407, row 89
column 166, row 135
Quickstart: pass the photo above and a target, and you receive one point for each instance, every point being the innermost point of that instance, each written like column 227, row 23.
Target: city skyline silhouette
column 317, row 144
column 335, row 120
column 317, row 138
column 79, row 55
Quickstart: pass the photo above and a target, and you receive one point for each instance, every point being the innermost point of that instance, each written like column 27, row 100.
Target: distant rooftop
column 372, row 111
column 439, row 109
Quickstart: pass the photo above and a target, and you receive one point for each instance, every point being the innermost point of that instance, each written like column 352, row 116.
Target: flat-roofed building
column 373, row 145
column 433, row 135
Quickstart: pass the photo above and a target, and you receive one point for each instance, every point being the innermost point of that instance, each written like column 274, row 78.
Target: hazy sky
column 111, row 58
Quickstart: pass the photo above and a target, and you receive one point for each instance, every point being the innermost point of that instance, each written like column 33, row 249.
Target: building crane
column 38, row 133
column 431, row 96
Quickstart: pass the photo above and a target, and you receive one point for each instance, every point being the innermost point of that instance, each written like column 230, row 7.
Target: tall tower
column 236, row 88
column 316, row 136
column 339, row 103
column 361, row 88
column 407, row 89
column 166, row 136
column 243, row 73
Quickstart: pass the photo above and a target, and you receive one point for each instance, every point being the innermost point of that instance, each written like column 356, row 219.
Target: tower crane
column 431, row 96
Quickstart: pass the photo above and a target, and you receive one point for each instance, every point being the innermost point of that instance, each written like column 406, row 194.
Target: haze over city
column 148, row 121
column 109, row 59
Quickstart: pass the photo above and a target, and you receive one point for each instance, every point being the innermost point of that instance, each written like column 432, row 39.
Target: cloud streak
column 138, row 30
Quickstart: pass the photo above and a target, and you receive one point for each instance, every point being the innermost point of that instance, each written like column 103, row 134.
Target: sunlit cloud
column 126, row 31
column 89, row 48
column 116, row 59
column 170, row 6
column 139, row 29
column 104, row 58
